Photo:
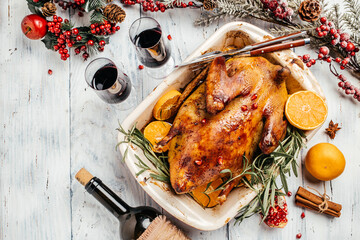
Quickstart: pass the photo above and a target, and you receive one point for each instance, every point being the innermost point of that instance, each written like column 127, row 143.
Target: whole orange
column 325, row 161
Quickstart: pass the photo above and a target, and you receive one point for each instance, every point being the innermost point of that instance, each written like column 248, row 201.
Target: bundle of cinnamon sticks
column 305, row 198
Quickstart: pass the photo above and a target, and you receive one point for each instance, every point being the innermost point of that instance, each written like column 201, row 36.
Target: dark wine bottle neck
column 107, row 197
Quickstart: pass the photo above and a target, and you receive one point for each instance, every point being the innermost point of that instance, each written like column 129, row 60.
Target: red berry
column 254, row 106
column 102, row 43
column 324, row 50
column 341, row 84
column 50, row 72
column 298, row 236
column 312, row 61
column 169, row 37
column 302, row 215
column 329, row 59
column 203, row 121
column 333, row 31
column 344, row 37
column 78, row 38
column 320, row 34
column 243, row 108
column 289, row 193
column 162, row 9
column 318, row 29
column 338, row 60
column 342, row 67
column 350, row 47
column 343, row 44
column 308, row 64
column 141, row 67
column 75, row 31
column 253, row 97
column 334, row 41
column 59, row 19
column 306, row 57
column 323, row 27
column 323, row 20
column 190, row 3
column 320, row 56
column 90, row 42
column 345, row 61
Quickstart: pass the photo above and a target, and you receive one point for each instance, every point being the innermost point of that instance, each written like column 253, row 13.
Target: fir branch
column 91, row 5
column 97, row 17
column 209, row 18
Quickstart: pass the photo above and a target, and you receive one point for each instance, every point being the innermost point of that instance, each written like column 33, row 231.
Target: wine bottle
column 133, row 221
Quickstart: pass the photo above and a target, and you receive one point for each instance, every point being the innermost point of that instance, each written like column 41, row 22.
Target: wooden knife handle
column 278, row 47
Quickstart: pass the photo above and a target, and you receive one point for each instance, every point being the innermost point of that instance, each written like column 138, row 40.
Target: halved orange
column 209, row 198
column 306, row 110
column 155, row 132
column 165, row 106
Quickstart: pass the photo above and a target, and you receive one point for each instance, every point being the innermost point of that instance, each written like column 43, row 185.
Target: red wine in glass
column 111, row 84
column 151, row 48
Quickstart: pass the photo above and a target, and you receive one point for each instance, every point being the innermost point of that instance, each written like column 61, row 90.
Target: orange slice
column 306, row 110
column 209, row 199
column 155, row 131
column 165, row 106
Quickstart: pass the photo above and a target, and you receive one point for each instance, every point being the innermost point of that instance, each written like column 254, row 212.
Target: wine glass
column 146, row 34
column 110, row 83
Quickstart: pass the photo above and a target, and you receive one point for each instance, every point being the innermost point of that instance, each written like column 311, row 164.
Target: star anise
column 332, row 129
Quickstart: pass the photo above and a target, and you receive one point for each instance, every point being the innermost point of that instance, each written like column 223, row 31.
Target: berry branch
column 61, row 36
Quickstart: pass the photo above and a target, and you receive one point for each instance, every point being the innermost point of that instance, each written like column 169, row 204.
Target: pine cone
column 114, row 13
column 209, row 4
column 309, row 10
column 49, row 9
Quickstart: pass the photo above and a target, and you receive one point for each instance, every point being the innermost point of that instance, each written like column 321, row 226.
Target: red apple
column 34, row 26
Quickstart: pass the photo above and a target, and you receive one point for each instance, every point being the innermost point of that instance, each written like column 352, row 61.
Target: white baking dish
column 184, row 207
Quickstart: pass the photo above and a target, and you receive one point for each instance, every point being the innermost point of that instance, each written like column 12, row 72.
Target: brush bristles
column 162, row 229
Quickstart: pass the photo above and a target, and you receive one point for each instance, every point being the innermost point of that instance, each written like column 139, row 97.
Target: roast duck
column 236, row 111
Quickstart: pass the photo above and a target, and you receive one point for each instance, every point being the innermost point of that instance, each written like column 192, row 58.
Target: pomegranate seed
column 254, row 106
column 141, row 67
column 298, row 236
column 254, row 97
column 303, row 215
column 198, row 162
column 203, row 121
column 243, row 108
column 289, row 193
column 50, row 72
column 220, row 160
column 169, row 37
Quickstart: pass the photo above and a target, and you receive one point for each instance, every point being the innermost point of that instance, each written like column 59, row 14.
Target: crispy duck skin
column 238, row 109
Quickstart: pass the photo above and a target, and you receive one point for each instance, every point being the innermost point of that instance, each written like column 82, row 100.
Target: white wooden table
column 51, row 126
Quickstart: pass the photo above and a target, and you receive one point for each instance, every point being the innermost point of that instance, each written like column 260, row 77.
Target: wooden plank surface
column 51, row 126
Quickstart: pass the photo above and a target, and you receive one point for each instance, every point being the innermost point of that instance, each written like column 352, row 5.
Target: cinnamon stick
column 305, row 198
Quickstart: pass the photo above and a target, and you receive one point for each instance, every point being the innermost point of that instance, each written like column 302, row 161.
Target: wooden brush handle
column 278, row 47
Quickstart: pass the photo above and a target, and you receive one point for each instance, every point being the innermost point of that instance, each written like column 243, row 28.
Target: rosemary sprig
column 136, row 137
column 266, row 168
